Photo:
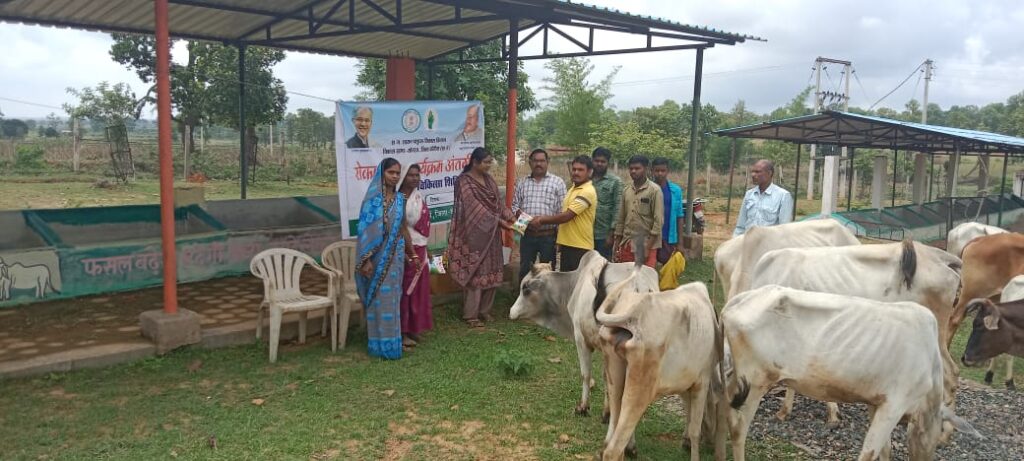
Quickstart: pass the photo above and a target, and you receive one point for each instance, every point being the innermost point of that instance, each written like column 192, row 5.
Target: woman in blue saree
column 381, row 248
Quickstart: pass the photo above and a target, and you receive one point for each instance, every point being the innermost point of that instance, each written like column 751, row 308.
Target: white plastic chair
column 280, row 268
column 340, row 258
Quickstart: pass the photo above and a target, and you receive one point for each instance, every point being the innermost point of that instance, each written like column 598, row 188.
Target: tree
column 188, row 82
column 206, row 87
column 486, row 82
column 106, row 104
column 539, row 130
column 628, row 139
column 578, row 104
column 13, row 128
column 310, row 128
column 265, row 96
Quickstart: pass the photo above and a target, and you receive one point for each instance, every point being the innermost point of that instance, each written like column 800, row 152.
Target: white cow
column 760, row 240
column 661, row 343
column 958, row 238
column 727, row 256
column 1011, row 292
column 891, row 272
column 839, row 348
column 565, row 302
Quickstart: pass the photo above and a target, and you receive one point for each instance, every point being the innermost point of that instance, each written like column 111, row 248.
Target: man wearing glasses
column 362, row 121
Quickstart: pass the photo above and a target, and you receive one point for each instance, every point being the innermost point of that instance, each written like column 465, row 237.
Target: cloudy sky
column 977, row 47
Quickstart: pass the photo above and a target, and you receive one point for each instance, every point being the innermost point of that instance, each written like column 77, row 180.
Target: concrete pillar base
column 170, row 331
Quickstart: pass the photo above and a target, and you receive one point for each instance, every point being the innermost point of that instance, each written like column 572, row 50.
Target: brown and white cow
column 734, row 262
column 564, row 302
column 997, row 329
column 839, row 348
column 907, row 271
column 958, row 238
column 989, row 263
column 662, row 343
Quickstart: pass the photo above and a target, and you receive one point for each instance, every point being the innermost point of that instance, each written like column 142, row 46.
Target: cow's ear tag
column 991, row 322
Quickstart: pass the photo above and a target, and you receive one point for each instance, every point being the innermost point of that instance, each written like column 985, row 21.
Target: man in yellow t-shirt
column 576, row 221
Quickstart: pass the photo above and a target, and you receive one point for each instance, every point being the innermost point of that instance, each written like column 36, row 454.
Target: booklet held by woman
column 521, row 223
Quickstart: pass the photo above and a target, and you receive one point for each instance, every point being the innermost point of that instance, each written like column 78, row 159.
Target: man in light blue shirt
column 765, row 204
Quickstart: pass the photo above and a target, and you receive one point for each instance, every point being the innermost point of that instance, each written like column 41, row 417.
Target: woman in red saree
column 474, row 242
column 417, row 312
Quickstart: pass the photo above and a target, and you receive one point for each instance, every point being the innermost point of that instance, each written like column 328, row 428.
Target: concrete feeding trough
column 52, row 254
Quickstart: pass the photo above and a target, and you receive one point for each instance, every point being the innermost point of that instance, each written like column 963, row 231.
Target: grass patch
column 75, row 191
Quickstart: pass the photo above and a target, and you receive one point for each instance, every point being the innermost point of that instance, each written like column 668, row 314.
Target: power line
column 29, row 103
column 829, row 78
column 862, row 89
column 912, row 95
column 916, row 69
column 705, row 74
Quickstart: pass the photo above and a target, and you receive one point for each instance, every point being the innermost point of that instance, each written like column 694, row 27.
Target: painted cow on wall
column 21, row 277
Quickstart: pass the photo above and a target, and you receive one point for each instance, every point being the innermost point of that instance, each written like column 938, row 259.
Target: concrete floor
column 45, row 332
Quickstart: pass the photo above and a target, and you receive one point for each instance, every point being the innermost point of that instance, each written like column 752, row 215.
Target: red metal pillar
column 400, row 82
column 510, row 137
column 163, row 106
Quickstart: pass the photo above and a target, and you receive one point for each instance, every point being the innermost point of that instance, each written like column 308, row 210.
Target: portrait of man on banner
column 362, row 121
column 471, row 131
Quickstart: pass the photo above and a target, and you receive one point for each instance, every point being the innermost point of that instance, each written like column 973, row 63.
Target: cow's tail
column 719, row 346
column 714, row 287
column 908, row 262
column 602, row 290
column 742, row 392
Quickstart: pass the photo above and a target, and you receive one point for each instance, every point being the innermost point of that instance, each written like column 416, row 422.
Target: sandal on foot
column 408, row 342
column 474, row 323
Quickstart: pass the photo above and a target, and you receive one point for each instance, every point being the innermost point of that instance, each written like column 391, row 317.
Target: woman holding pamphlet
column 474, row 241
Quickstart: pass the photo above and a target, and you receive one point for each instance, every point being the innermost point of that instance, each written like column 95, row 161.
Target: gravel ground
column 997, row 414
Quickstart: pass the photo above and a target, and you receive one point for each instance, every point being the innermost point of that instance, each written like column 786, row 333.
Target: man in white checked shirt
column 539, row 194
column 765, row 204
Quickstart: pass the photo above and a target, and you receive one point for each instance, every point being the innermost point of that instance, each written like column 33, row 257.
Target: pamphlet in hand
column 521, row 223
column 437, row 264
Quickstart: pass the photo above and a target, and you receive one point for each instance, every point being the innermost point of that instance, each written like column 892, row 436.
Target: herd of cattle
column 808, row 307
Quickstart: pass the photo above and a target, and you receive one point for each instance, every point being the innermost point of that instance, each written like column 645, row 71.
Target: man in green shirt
column 609, row 197
column 638, row 224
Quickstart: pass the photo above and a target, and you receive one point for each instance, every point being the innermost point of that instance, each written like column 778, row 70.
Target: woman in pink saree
column 417, row 312
column 474, row 242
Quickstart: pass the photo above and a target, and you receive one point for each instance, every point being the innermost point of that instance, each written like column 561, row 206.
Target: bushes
column 29, row 157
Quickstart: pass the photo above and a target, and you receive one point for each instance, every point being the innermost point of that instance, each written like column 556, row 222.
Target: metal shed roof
column 420, row 29
column 856, row 130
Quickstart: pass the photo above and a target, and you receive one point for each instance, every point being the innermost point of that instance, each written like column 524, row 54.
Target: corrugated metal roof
column 856, row 130
column 326, row 26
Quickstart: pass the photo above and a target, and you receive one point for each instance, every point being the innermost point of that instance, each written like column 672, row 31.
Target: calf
column 661, row 343
column 839, row 348
column 997, row 329
column 1011, row 292
column 561, row 302
column 990, row 263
